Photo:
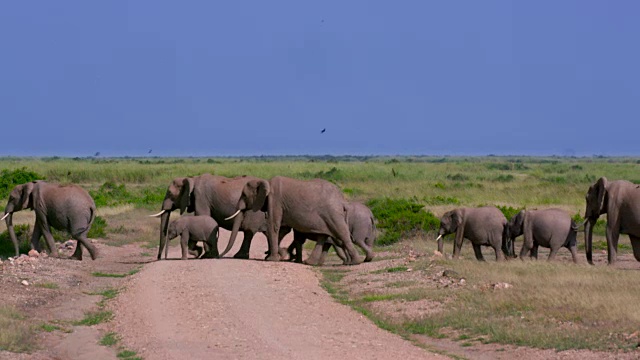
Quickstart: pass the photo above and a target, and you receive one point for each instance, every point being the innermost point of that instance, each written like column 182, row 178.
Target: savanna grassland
column 407, row 289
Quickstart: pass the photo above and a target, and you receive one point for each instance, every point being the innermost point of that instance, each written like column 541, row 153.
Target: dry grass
column 15, row 334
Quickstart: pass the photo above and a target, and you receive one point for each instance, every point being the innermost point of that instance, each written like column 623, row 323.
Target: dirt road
column 243, row 309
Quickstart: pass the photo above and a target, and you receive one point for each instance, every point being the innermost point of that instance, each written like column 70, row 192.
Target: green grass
column 111, row 275
column 95, row 318
column 49, row 327
column 128, row 354
column 109, row 339
column 391, row 270
column 16, row 335
column 47, row 285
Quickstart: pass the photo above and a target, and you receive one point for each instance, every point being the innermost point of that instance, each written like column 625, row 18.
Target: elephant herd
column 317, row 210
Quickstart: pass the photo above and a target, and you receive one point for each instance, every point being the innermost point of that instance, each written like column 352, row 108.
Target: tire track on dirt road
column 244, row 309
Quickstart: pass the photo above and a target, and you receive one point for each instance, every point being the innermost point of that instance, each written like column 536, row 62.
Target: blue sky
column 203, row 78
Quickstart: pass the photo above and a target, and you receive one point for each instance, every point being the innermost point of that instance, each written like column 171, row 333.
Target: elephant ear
column 184, row 199
column 26, row 195
column 262, row 190
column 601, row 186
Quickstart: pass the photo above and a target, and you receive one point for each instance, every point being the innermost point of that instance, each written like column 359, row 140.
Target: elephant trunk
column 588, row 229
column 234, row 232
column 164, row 225
column 12, row 234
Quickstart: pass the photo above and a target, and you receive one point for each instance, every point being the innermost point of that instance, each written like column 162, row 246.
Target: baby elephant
column 193, row 229
column 550, row 228
column 482, row 226
column 363, row 233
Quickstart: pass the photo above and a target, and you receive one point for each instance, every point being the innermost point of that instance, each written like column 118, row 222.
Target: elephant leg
column 574, row 253
column 291, row 250
column 526, row 249
column 342, row 237
column 243, row 253
column 314, row 258
column 35, row 239
column 478, row 251
column 298, row 241
column 613, row 234
column 341, row 254
column 83, row 240
column 325, row 251
column 194, row 249
column 211, row 246
column 363, row 245
column 552, row 253
column 77, row 253
column 184, row 244
column 635, row 243
column 534, row 251
column 457, row 243
column 50, row 241
column 499, row 253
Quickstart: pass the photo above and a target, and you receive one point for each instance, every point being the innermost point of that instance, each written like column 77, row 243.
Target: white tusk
column 232, row 216
column 158, row 214
column 439, row 236
column 5, row 216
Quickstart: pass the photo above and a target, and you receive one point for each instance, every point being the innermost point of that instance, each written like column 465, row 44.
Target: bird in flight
column 150, row 151
column 323, row 130
column 97, row 154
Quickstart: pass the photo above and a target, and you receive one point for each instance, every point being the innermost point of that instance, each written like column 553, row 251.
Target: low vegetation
column 16, row 334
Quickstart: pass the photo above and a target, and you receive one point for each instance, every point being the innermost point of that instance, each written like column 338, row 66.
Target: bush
column 333, row 175
column 504, row 178
column 509, row 211
column 9, row 179
column 457, row 177
column 110, row 194
column 23, row 233
column 441, row 200
column 399, row 218
column 98, row 228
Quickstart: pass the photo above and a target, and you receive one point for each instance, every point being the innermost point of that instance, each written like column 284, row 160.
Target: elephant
column 63, row 207
column 214, row 196
column 620, row 200
column 191, row 230
column 306, row 206
column 363, row 233
column 482, row 226
column 550, row 228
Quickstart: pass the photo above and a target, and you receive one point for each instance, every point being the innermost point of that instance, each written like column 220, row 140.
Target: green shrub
column 98, row 228
column 441, row 200
column 509, row 211
column 9, row 179
column 458, row 177
column 398, row 218
column 110, row 194
column 24, row 241
column 504, row 178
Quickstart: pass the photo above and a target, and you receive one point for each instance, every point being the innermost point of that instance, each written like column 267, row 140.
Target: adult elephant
column 362, row 228
column 306, row 206
column 620, row 200
column 64, row 207
column 482, row 226
column 550, row 228
column 210, row 195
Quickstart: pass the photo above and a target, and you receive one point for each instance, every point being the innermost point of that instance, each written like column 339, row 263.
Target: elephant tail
column 85, row 230
column 572, row 237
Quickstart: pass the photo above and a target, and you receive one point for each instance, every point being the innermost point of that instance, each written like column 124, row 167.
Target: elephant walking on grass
column 213, row 196
column 64, row 207
column 363, row 233
column 482, row 226
column 191, row 230
column 550, row 228
column 620, row 200
column 309, row 207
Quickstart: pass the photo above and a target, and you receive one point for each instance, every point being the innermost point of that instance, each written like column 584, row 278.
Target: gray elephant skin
column 620, row 200
column 214, row 196
column 362, row 227
column 192, row 229
column 549, row 228
column 306, row 206
column 64, row 207
column 483, row 226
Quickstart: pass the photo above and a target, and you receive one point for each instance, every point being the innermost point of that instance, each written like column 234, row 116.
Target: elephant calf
column 193, row 229
column 549, row 228
column 363, row 233
column 482, row 226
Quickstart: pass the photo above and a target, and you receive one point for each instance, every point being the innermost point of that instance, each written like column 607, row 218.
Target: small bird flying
column 97, row 154
column 323, row 130
column 150, row 151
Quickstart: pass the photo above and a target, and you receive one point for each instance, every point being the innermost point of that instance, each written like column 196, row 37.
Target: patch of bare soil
column 57, row 291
